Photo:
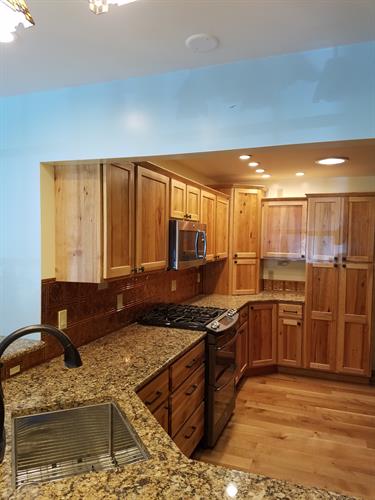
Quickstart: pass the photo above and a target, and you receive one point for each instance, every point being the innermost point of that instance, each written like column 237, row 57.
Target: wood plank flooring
column 308, row 431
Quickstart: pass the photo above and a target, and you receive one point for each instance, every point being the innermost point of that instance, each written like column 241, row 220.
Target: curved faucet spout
column 72, row 359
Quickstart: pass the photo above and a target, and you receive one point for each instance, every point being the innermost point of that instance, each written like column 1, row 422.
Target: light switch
column 198, row 277
column 173, row 285
column 120, row 301
column 14, row 370
column 62, row 319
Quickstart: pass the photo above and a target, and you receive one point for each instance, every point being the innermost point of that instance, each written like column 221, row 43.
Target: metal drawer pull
column 157, row 396
column 192, row 363
column 191, row 390
column 193, row 429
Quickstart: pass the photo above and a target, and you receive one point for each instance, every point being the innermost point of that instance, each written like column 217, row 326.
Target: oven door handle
column 233, row 339
column 217, row 389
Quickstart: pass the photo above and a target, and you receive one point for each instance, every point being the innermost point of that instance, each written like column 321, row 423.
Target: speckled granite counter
column 21, row 346
column 237, row 301
column 113, row 367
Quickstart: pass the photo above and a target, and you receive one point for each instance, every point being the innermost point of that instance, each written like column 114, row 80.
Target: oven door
column 222, row 358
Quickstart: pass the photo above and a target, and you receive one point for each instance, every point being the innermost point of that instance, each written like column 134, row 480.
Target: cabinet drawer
column 162, row 414
column 243, row 315
column 186, row 399
column 187, row 364
column 191, row 433
column 291, row 310
column 156, row 391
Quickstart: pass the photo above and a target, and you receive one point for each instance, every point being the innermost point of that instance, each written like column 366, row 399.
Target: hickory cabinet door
column 290, row 342
column 208, row 217
column 359, row 228
column 246, row 212
column 262, row 335
column 178, row 199
column 222, row 228
column 152, row 209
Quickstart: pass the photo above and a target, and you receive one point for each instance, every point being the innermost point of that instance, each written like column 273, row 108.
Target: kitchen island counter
column 113, row 368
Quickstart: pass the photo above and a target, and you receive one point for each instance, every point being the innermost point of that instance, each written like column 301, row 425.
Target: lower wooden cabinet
column 162, row 415
column 289, row 342
column 191, row 432
column 155, row 392
column 262, row 335
column 245, row 279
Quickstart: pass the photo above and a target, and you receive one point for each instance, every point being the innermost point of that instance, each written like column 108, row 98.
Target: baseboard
column 352, row 379
column 260, row 370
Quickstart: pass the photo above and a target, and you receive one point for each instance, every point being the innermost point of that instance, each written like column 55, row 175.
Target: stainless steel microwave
column 187, row 244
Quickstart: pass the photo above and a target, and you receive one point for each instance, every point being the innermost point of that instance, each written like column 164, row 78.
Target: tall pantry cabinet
column 339, row 286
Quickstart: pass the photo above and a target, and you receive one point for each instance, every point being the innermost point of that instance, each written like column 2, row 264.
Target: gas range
column 190, row 317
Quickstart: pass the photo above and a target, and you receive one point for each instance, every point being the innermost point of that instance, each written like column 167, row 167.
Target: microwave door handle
column 196, row 245
column 204, row 236
column 204, row 244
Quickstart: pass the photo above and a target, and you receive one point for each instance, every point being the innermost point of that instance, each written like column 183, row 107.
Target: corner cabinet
column 284, row 229
column 94, row 221
column 152, row 209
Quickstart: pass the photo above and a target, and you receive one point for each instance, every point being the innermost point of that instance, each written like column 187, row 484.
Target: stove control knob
column 215, row 325
column 231, row 312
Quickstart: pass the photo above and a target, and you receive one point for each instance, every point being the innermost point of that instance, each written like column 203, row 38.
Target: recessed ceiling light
column 253, row 164
column 259, row 170
column 300, row 174
column 266, row 176
column 201, row 42
column 245, row 157
column 334, row 160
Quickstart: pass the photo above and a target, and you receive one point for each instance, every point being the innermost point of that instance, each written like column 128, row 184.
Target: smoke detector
column 201, row 42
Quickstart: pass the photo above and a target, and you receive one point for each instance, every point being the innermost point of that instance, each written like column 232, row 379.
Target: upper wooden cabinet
column 185, row 201
column 208, row 217
column 283, row 229
column 94, row 221
column 246, row 222
column 222, row 228
column 359, row 228
column 245, row 276
column 324, row 229
column 152, row 209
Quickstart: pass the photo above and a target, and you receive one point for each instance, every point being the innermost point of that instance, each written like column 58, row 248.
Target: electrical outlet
column 62, row 319
column 173, row 285
column 14, row 370
column 198, row 277
column 120, row 301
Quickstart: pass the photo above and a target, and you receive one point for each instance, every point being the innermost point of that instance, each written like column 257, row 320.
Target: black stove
column 181, row 316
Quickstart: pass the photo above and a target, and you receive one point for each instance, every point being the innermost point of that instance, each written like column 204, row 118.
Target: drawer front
column 156, row 391
column 187, row 364
column 186, row 399
column 191, row 433
column 162, row 414
column 243, row 315
column 291, row 310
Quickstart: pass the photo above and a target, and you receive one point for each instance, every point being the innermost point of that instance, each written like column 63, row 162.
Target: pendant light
column 102, row 6
column 12, row 14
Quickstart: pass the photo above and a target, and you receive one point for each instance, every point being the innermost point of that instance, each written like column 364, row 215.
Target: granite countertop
column 113, row 367
column 238, row 301
column 20, row 346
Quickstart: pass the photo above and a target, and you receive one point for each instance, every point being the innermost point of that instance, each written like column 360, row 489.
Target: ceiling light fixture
column 245, row 157
column 266, row 176
column 12, row 14
column 102, row 6
column 253, row 164
column 300, row 174
column 259, row 170
column 334, row 160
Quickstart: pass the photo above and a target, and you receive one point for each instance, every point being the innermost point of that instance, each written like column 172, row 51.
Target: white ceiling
column 281, row 162
column 71, row 46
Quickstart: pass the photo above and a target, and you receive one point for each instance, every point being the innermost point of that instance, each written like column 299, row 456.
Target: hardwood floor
column 312, row 432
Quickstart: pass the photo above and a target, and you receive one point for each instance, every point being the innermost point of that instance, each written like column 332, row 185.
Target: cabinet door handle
column 193, row 388
column 193, row 429
column 344, row 259
column 335, row 259
column 335, row 265
column 302, row 256
column 157, row 396
column 192, row 363
column 298, row 323
column 235, row 255
column 235, row 262
column 344, row 265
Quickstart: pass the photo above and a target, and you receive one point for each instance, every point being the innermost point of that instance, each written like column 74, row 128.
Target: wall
column 322, row 95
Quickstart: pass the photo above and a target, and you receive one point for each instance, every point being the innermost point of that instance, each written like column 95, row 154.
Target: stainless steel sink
column 57, row 444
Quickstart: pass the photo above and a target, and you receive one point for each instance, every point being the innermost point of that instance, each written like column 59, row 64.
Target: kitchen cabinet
column 94, row 226
column 208, row 217
column 321, row 315
column 184, row 201
column 245, row 278
column 246, row 222
column 355, row 300
column 262, row 335
column 222, row 228
column 242, row 349
column 152, row 210
column 290, row 334
column 155, row 397
column 359, row 228
column 284, row 229
column 324, row 229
